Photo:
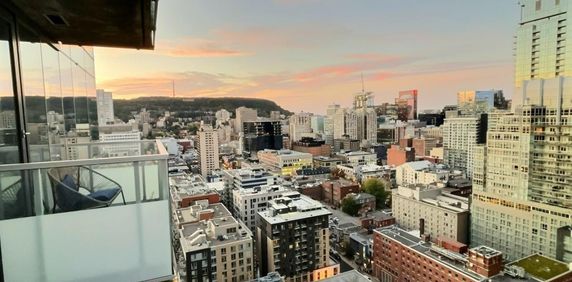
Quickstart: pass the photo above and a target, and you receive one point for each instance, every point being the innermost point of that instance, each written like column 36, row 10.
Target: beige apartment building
column 431, row 210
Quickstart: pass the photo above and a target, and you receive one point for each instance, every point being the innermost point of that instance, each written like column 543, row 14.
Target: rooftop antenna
column 173, row 88
column 362, row 85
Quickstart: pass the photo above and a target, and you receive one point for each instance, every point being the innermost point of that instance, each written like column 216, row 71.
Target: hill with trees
column 157, row 105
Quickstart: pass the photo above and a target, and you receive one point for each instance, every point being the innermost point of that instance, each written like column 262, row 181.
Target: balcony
column 122, row 242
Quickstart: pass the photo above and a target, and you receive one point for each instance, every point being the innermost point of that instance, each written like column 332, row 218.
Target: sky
column 307, row 54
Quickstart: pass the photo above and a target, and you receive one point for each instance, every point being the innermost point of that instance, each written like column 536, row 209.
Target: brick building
column 312, row 146
column 397, row 156
column 334, row 191
column 399, row 255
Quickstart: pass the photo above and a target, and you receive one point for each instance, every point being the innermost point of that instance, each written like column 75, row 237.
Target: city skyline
column 260, row 53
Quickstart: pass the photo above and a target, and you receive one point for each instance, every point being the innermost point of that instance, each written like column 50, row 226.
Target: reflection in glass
column 66, row 78
column 8, row 135
column 52, row 84
column 34, row 95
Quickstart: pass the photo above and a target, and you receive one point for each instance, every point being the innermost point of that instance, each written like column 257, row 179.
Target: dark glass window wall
column 57, row 94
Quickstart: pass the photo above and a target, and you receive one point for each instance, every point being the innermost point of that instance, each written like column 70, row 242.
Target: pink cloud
column 194, row 48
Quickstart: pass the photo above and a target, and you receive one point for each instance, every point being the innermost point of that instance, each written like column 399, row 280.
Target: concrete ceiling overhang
column 104, row 23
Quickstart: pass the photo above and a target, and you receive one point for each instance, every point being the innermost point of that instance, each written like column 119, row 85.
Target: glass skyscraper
column 542, row 39
column 522, row 186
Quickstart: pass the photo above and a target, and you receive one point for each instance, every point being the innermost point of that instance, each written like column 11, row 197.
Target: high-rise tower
column 522, row 192
column 541, row 40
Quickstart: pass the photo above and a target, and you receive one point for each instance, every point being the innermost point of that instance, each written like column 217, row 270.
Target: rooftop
column 184, row 185
column 486, row 251
column 448, row 258
column 287, row 209
column 434, row 195
column 192, row 214
column 221, row 229
column 542, row 267
column 255, row 172
column 262, row 190
column 284, row 152
column 348, row 276
column 358, row 153
column 327, row 159
column 415, row 243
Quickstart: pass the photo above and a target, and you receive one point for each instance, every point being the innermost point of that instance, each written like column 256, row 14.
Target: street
column 342, row 217
column 344, row 266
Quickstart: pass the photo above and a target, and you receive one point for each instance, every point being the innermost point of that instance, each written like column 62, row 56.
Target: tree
column 377, row 188
column 350, row 206
column 338, row 173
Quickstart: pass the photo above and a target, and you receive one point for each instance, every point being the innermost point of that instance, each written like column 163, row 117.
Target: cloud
column 303, row 36
column 318, row 86
column 196, row 48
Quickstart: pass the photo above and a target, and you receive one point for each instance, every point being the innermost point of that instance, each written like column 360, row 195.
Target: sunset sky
column 306, row 54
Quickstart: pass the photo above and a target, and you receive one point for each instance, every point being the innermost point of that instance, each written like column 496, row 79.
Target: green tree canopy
column 377, row 188
column 350, row 206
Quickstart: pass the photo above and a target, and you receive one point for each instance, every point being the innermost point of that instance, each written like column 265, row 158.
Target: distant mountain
column 123, row 108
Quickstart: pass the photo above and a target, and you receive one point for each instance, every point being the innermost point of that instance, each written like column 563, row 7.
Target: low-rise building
column 362, row 173
column 312, row 146
column 359, row 158
column 334, row 191
column 346, row 144
column 423, row 146
column 319, row 173
column 432, row 210
column 399, row 255
column 421, row 172
column 285, row 162
column 330, row 162
column 377, row 219
column 397, row 156
column 366, row 202
column 187, row 189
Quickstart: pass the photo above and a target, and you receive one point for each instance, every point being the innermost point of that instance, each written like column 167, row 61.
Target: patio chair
column 13, row 201
column 80, row 188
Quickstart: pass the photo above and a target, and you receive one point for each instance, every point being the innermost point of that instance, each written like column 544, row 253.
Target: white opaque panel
column 122, row 243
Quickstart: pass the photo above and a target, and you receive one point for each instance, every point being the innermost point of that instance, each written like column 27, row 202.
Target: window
column 538, row 5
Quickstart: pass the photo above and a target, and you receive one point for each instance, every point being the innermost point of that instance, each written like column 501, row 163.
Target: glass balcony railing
column 104, row 216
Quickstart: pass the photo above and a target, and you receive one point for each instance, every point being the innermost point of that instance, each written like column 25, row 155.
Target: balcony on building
column 47, row 116
column 123, row 242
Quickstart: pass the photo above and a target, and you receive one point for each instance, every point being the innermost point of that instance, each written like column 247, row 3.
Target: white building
column 358, row 158
column 222, row 116
column 248, row 202
column 120, row 143
column 241, row 179
column 317, row 124
column 105, row 113
column 285, row 162
column 361, row 124
column 300, row 126
column 460, row 136
column 420, row 172
column 441, row 214
column 244, row 114
column 207, row 146
column 362, row 173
